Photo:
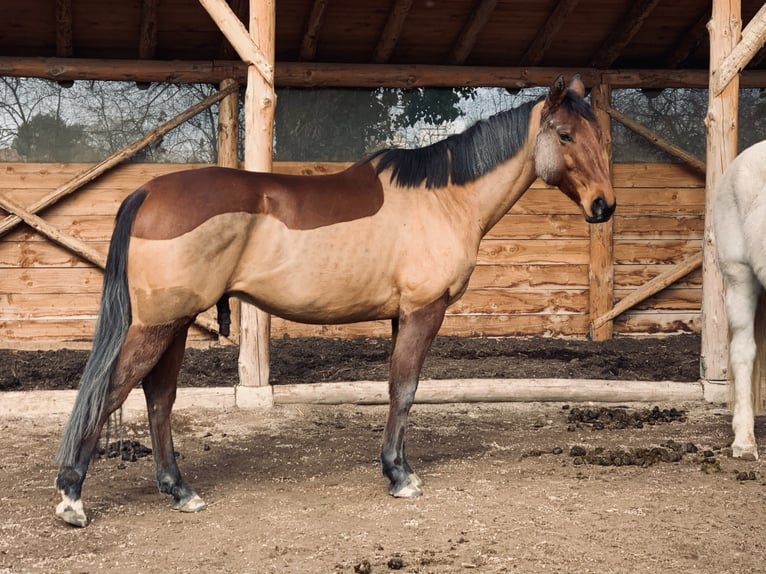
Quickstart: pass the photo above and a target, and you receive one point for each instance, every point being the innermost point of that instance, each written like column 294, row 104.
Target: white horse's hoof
column 72, row 512
column 744, row 452
column 194, row 504
column 410, row 490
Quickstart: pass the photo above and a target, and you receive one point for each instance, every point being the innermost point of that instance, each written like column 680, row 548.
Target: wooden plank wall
column 531, row 277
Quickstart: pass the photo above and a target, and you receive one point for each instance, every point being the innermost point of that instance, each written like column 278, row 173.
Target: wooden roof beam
column 147, row 42
column 308, row 74
column 473, row 27
column 622, row 35
column 64, row 42
column 689, row 41
column 557, row 18
column 314, row 24
column 393, row 29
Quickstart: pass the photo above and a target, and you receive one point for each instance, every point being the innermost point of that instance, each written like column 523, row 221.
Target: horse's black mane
column 466, row 156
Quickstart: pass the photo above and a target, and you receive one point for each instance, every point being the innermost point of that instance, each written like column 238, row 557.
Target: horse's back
column 178, row 202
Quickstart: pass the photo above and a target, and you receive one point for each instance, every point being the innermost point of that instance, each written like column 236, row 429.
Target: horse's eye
column 565, row 137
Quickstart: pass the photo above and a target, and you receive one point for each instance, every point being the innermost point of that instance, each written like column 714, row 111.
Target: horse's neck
column 497, row 191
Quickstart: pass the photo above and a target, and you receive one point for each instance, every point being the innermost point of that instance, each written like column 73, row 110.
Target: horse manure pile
column 127, row 450
column 669, row 451
column 621, row 417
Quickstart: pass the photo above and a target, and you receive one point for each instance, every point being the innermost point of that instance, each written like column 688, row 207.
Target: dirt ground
column 673, row 358
column 517, row 487
column 508, row 488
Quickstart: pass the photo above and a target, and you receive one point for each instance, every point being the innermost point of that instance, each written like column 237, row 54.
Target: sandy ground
column 299, row 490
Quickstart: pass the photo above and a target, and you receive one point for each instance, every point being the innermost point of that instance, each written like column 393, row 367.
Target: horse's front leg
column 412, row 337
column 160, row 392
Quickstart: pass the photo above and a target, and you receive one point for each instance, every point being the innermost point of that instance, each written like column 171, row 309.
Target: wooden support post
column 228, row 156
column 260, row 101
column 601, row 271
column 721, row 121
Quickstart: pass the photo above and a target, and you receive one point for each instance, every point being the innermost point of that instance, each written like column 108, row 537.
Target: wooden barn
column 541, row 271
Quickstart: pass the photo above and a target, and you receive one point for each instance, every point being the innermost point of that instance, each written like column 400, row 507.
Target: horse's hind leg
column 412, row 337
column 140, row 351
column 742, row 292
column 160, row 391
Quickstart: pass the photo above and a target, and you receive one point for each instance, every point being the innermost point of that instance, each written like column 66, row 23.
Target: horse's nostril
column 600, row 211
column 598, row 207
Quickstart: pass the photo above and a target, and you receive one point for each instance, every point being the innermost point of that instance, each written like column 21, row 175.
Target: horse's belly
column 313, row 284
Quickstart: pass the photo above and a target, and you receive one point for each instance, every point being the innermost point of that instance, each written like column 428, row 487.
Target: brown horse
column 393, row 237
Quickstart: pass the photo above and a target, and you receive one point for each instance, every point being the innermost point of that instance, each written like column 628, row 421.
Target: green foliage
column 45, row 137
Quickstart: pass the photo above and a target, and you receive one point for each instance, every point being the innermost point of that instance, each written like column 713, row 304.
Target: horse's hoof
column 744, row 452
column 72, row 512
column 191, row 504
column 410, row 489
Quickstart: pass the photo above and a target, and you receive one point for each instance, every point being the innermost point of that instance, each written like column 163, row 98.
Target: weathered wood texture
column 531, row 277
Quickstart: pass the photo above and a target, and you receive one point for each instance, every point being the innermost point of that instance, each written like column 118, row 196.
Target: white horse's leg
column 741, row 299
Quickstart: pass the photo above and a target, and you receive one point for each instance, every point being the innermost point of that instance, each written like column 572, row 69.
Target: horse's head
column 568, row 151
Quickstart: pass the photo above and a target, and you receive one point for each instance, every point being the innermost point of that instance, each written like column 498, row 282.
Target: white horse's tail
column 759, row 368
column 758, row 388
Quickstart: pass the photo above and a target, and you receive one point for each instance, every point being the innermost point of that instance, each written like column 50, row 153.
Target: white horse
column 739, row 220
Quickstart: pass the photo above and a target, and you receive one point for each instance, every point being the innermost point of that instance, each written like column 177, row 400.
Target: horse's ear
column 577, row 86
column 557, row 92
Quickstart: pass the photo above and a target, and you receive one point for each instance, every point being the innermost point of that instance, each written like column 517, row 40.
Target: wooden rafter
column 314, row 24
column 753, row 39
column 147, row 42
column 557, row 18
column 690, row 40
column 393, row 29
column 64, row 43
column 622, row 35
column 473, row 27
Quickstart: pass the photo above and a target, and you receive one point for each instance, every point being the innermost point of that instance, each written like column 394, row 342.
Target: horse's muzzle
column 600, row 211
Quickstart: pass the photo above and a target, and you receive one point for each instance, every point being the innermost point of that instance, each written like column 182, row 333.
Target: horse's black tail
column 111, row 328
